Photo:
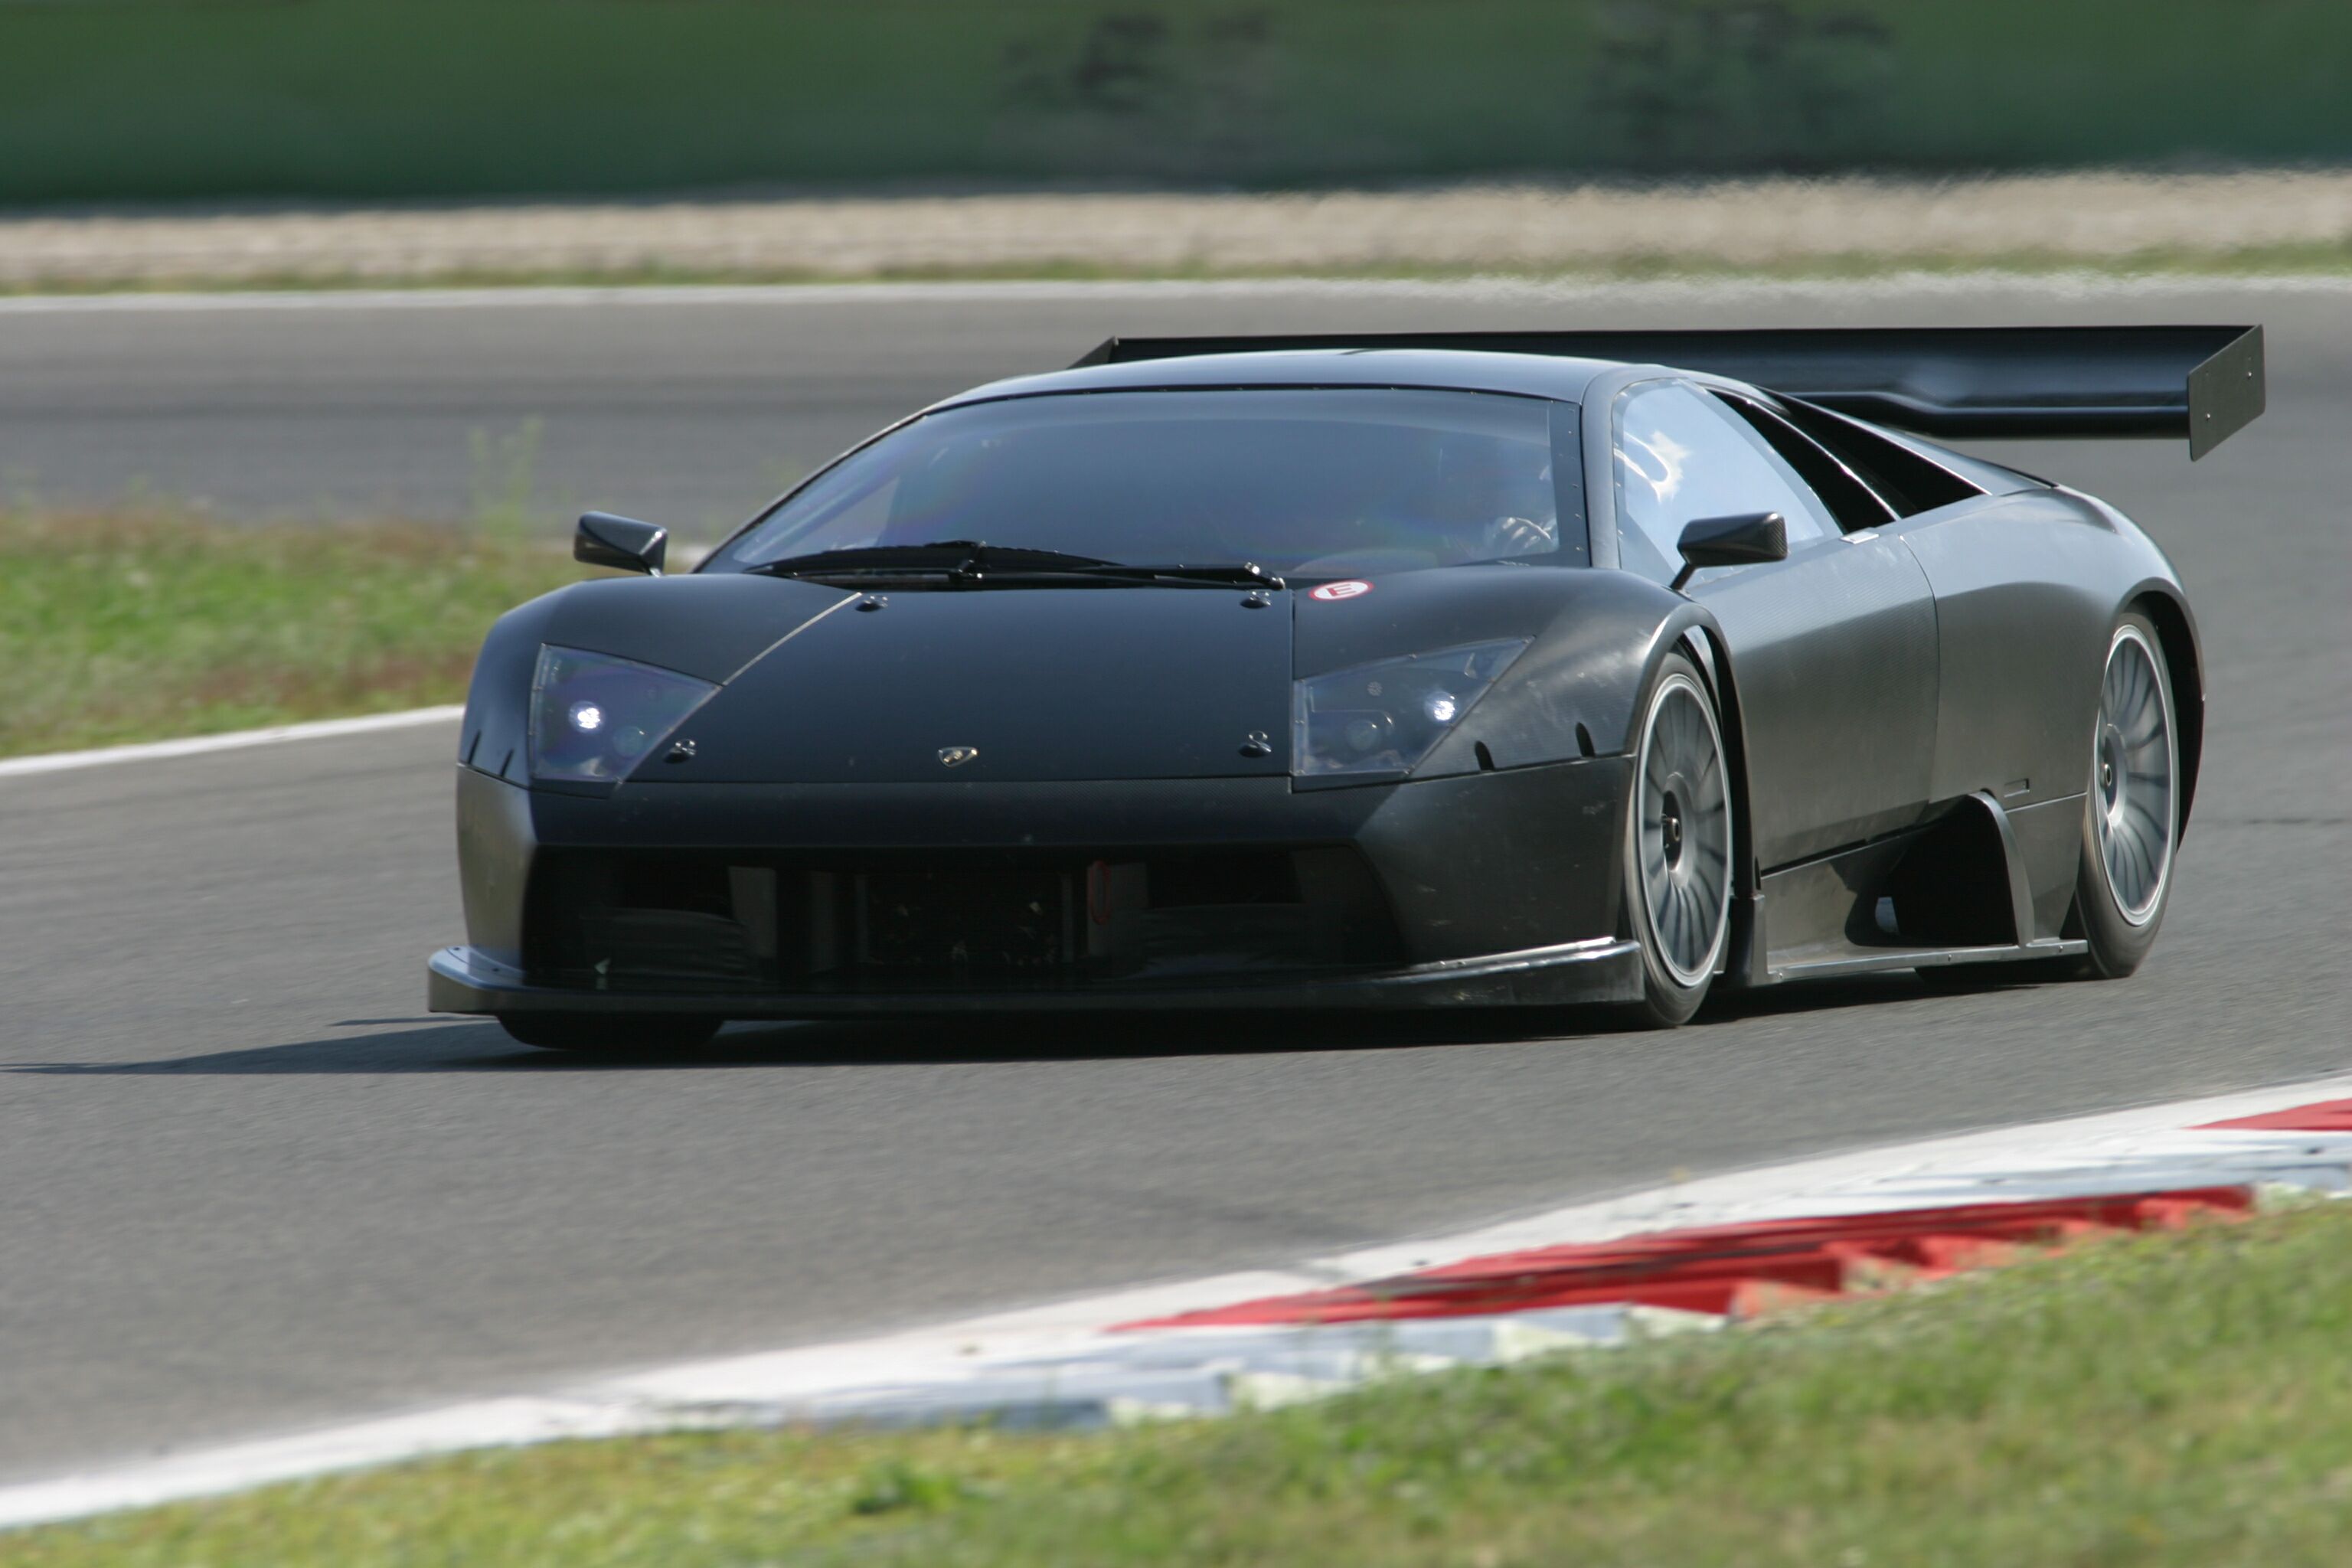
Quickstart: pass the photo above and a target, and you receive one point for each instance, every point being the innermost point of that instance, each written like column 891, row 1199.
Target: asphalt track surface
column 248, row 1186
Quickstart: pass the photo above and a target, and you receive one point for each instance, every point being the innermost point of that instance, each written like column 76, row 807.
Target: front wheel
column 1678, row 847
column 613, row 1033
column 2131, row 813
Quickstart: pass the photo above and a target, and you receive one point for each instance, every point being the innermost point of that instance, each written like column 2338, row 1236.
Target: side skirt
column 1926, row 958
column 1953, row 890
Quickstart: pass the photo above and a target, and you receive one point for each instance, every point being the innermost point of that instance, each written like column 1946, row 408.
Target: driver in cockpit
column 1492, row 498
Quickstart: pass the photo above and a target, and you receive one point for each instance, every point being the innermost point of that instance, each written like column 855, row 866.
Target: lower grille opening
column 714, row 921
column 987, row 924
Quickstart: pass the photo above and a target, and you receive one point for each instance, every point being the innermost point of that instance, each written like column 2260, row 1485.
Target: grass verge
column 2300, row 259
column 2156, row 1400
column 143, row 624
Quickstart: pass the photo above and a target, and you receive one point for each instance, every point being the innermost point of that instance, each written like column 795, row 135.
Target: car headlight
column 595, row 717
column 1384, row 718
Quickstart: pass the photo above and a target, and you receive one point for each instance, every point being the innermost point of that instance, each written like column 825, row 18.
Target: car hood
column 1009, row 684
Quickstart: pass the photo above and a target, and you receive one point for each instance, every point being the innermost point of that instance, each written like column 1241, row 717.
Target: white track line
column 1501, row 289
column 236, row 741
column 2150, row 1148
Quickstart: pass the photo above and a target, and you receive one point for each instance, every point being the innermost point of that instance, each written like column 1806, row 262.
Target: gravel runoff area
column 1763, row 224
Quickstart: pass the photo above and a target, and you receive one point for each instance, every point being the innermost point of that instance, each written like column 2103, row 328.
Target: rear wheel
column 616, row 1033
column 1678, row 848
column 2131, row 813
column 2131, row 821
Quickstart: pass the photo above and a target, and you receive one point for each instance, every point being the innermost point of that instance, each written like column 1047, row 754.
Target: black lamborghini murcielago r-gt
column 1384, row 670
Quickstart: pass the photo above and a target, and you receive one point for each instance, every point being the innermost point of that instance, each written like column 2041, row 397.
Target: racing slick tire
column 1678, row 847
column 620, row 1035
column 2131, row 812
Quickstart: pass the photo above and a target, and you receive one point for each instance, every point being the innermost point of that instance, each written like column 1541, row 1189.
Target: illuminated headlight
column 595, row 717
column 1384, row 718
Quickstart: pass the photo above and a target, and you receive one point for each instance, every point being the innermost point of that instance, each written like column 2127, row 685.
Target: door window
column 1681, row 456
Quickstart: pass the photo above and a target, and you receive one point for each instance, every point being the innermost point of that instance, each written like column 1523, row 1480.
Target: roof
column 1527, row 375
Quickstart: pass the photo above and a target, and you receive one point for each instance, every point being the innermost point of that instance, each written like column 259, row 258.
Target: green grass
column 141, row 623
column 165, row 99
column 2296, row 258
column 2161, row 1400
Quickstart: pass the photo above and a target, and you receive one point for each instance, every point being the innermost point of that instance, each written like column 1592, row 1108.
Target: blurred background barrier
column 115, row 100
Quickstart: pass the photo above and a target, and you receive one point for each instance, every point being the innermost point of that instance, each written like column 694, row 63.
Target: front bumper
column 1603, row 970
column 1492, row 887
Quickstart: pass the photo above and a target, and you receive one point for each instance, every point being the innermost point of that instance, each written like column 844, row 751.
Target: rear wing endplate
column 1981, row 383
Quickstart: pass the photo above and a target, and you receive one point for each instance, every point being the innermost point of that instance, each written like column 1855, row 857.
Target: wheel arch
column 1744, row 945
column 1702, row 640
column 2176, row 631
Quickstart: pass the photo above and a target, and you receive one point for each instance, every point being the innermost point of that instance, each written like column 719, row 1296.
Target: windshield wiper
column 968, row 562
column 952, row 557
column 1241, row 574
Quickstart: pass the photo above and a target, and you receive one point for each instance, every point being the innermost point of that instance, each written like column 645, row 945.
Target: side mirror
column 1724, row 541
column 623, row 544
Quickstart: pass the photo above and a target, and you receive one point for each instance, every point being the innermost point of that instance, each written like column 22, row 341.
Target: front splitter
column 1601, row 971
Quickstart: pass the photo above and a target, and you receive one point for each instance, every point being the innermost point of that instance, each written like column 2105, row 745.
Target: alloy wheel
column 2133, row 765
column 1682, row 831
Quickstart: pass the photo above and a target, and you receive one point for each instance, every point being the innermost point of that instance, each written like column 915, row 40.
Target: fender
column 496, row 731
column 1594, row 638
column 712, row 627
column 2157, row 594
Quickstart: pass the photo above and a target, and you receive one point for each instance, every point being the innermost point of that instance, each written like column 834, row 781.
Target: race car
column 1604, row 669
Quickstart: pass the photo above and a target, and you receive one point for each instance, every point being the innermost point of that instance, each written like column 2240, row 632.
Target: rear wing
column 1985, row 383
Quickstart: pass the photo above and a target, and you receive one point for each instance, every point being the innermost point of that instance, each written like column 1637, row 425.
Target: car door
column 1834, row 647
column 2025, row 577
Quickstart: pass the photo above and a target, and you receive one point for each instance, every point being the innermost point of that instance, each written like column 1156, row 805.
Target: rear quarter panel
column 2027, row 588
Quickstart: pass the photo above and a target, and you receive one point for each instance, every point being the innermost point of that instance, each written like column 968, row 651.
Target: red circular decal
column 1348, row 589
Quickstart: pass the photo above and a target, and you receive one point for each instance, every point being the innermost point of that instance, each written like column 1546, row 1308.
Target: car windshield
column 1332, row 482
